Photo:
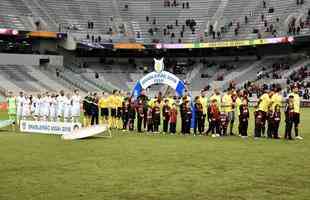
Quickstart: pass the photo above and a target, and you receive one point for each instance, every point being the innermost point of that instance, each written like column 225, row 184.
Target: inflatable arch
column 159, row 76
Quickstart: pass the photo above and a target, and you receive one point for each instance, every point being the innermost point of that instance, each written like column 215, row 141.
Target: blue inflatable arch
column 162, row 77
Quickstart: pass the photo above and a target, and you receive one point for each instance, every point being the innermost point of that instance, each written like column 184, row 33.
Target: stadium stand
column 152, row 21
column 149, row 21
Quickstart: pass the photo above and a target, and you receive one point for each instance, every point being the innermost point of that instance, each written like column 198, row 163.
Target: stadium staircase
column 49, row 80
column 40, row 13
column 7, row 85
column 138, row 19
column 13, row 14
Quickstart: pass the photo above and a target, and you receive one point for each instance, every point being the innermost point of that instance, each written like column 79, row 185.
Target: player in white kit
column 36, row 104
column 60, row 105
column 19, row 106
column 67, row 107
column 26, row 104
column 53, row 108
column 45, row 106
column 76, row 106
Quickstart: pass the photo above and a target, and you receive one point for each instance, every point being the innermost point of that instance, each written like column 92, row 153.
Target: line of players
column 45, row 107
column 122, row 111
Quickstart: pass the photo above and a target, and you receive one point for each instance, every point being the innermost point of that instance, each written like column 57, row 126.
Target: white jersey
column 60, row 105
column 67, row 107
column 44, row 108
column 75, row 109
column 26, row 107
column 36, row 104
column 19, row 105
column 53, row 109
column 33, row 106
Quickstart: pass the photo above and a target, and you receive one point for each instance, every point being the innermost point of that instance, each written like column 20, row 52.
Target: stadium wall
column 29, row 59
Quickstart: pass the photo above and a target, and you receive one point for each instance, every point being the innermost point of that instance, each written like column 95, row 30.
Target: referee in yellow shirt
column 216, row 96
column 296, row 119
column 112, row 101
column 263, row 105
column 276, row 99
column 227, row 107
column 204, row 101
column 119, row 104
column 104, row 108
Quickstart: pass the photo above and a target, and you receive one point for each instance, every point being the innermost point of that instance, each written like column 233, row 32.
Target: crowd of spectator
column 299, row 77
column 175, row 3
column 174, row 30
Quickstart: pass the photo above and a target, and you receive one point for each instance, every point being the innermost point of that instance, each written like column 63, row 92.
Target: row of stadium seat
column 131, row 15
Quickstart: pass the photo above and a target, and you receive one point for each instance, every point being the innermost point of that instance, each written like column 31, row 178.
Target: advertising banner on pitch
column 55, row 128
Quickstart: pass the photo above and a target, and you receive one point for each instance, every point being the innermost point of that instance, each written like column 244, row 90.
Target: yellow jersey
column 170, row 101
column 238, row 103
column 151, row 102
column 204, row 103
column 296, row 102
column 264, row 102
column 103, row 102
column 218, row 100
column 119, row 101
column 276, row 99
column 112, row 101
column 227, row 103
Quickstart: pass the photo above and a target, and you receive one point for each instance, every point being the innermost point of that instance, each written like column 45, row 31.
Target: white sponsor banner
column 163, row 77
column 85, row 132
column 57, row 128
column 4, row 123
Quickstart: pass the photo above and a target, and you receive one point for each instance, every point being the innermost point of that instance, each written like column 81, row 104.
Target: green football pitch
column 162, row 167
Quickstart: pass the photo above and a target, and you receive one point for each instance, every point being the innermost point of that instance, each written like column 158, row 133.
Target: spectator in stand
column 147, row 18
column 246, row 19
column 264, row 4
column 151, row 32
column 172, row 35
column 218, row 35
column 298, row 30
column 213, row 34
column 187, row 4
column 236, row 31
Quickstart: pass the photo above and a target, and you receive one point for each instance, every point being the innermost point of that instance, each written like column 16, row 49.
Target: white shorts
column 52, row 113
column 44, row 111
column 75, row 111
column 19, row 111
column 37, row 111
column 67, row 113
column 60, row 112
column 33, row 109
column 26, row 112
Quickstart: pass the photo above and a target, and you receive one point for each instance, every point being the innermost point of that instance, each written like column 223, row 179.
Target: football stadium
column 154, row 99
